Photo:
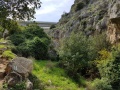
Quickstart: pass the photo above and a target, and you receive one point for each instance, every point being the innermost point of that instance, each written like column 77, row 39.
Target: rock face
column 113, row 31
column 18, row 70
column 20, row 65
column 88, row 16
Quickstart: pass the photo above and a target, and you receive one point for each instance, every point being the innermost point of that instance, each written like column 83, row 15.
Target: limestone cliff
column 90, row 17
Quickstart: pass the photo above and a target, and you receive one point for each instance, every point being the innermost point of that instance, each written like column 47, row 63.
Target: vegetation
column 79, row 6
column 84, row 61
column 19, row 86
column 53, row 77
column 73, row 54
column 31, row 42
column 18, row 9
column 8, row 54
column 52, row 26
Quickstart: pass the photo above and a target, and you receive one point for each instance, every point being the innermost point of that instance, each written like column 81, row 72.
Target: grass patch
column 8, row 54
column 53, row 77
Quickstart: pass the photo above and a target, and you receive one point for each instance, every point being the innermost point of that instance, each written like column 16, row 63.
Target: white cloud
column 54, row 8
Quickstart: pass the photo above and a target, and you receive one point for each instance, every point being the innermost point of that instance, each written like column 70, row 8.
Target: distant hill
column 45, row 25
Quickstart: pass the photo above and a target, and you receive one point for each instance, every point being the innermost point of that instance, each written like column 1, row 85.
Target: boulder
column 20, row 65
column 18, row 70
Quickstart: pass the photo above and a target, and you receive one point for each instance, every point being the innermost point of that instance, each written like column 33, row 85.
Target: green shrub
column 8, row 54
column 79, row 6
column 109, row 67
column 52, row 26
column 17, row 38
column 2, row 46
column 96, row 44
column 74, row 54
column 34, row 30
column 19, row 86
column 102, row 84
column 11, row 25
column 37, row 84
column 32, row 41
column 37, row 48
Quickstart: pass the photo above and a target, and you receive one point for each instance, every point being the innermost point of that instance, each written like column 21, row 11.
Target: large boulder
column 20, row 65
column 18, row 70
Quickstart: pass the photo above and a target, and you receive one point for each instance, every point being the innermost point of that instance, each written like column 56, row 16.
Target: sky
column 51, row 10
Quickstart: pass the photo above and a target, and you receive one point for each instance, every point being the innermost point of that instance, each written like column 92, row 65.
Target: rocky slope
column 90, row 17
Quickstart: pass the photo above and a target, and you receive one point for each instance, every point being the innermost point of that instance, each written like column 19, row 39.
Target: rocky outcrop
column 113, row 31
column 88, row 16
column 18, row 70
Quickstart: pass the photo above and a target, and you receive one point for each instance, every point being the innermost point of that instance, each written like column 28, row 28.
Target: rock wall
column 113, row 31
column 88, row 16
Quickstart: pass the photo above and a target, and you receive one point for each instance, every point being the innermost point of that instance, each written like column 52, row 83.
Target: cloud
column 54, row 8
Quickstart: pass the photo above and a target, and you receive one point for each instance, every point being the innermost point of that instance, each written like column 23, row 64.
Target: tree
column 18, row 9
column 74, row 55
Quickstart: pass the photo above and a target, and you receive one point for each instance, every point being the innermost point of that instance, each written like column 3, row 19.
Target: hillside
column 91, row 17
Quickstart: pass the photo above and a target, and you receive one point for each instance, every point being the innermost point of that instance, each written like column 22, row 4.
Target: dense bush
column 109, row 67
column 77, row 54
column 79, row 6
column 18, row 86
column 17, row 38
column 34, row 30
column 74, row 54
column 102, row 84
column 37, row 84
column 96, row 44
column 8, row 54
column 32, row 41
column 52, row 26
column 11, row 25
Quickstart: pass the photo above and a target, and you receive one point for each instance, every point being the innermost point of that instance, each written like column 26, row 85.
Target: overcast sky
column 51, row 10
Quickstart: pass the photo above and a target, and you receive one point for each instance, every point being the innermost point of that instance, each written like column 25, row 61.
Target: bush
column 34, row 30
column 79, row 6
column 11, row 25
column 17, row 38
column 52, row 26
column 32, row 41
column 37, row 48
column 74, row 54
column 37, row 84
column 8, row 54
column 109, row 67
column 96, row 44
column 102, row 84
column 20, row 86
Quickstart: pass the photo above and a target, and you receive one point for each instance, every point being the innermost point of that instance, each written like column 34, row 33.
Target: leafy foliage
column 37, row 84
column 74, row 54
column 17, row 38
column 79, row 6
column 22, row 9
column 8, row 54
column 32, row 41
column 102, row 84
column 77, row 54
column 52, row 26
column 11, row 25
column 109, row 67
